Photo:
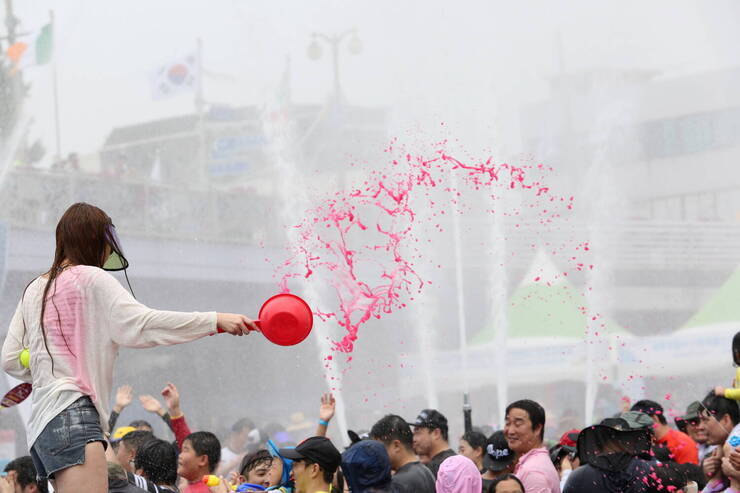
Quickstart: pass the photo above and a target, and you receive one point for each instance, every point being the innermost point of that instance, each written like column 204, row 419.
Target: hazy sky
column 447, row 56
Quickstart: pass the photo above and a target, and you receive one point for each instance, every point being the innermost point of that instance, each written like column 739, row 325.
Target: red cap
column 569, row 438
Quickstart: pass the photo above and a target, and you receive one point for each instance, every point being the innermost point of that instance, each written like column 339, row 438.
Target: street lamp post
column 315, row 51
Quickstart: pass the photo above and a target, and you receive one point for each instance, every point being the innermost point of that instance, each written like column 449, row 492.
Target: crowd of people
column 64, row 339
column 636, row 450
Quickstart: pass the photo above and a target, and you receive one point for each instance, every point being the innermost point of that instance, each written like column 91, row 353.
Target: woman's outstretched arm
column 133, row 324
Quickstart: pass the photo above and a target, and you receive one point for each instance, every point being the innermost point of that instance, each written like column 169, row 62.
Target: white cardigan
column 97, row 316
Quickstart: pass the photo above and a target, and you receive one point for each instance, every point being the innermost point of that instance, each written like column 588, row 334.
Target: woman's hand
column 234, row 324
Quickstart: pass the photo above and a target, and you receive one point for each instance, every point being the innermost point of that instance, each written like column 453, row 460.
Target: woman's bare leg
column 90, row 477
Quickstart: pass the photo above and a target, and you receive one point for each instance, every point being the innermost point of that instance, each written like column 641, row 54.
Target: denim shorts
column 62, row 442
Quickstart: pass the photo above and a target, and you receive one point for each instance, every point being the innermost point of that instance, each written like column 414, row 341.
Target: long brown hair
column 81, row 238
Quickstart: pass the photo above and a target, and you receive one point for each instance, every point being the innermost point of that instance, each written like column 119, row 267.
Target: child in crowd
column 734, row 392
column 199, row 457
column 733, row 440
column 255, row 471
column 281, row 475
column 263, row 470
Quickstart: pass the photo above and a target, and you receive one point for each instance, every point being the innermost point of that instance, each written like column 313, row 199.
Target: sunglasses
column 683, row 423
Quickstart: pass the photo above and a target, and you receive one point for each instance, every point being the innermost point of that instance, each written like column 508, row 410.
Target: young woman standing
column 73, row 320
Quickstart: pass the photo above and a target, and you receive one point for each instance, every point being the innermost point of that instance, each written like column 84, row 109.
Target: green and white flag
column 35, row 50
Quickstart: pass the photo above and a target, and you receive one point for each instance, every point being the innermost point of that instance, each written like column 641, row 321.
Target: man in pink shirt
column 525, row 431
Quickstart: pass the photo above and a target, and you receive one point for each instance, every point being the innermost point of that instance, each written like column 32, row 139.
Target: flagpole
column 200, row 110
column 58, row 133
column 199, row 77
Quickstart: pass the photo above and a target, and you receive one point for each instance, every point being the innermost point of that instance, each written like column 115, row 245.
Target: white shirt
column 705, row 450
column 88, row 316
column 734, row 437
column 228, row 456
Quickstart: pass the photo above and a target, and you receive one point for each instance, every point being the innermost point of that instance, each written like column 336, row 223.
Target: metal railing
column 35, row 199
column 633, row 244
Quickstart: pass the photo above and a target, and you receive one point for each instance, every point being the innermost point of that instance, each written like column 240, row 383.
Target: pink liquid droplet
column 359, row 242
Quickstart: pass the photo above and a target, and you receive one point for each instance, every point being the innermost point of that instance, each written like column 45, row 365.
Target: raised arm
column 149, row 403
column 326, row 412
column 179, row 425
column 124, row 396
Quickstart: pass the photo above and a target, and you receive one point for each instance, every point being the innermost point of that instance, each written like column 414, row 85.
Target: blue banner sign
column 228, row 168
column 227, row 147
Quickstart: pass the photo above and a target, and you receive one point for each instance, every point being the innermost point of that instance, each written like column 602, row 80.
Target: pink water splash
column 365, row 243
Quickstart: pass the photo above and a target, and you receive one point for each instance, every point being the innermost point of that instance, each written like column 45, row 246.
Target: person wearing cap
column 563, row 455
column 315, row 460
column 498, row 459
column 613, row 456
column 689, row 424
column 121, row 431
column 564, row 449
column 367, row 468
column 681, row 447
column 525, row 430
column 395, row 433
column 431, row 438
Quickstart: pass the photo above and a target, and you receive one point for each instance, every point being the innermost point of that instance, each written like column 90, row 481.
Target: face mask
column 116, row 260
